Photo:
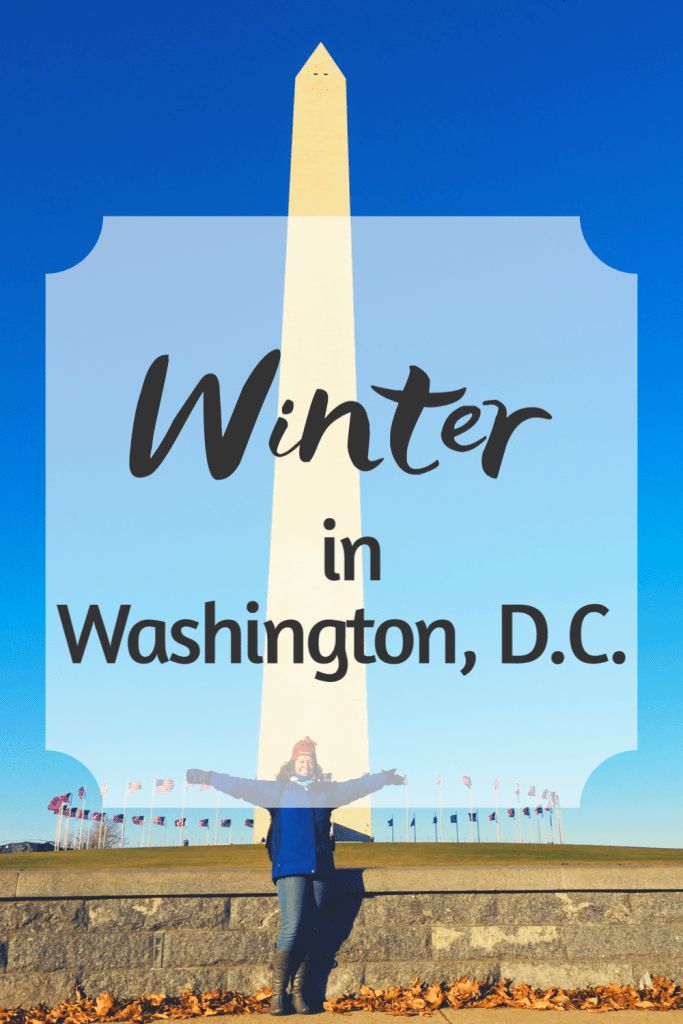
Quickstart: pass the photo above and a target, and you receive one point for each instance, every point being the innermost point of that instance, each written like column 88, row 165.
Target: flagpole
column 218, row 804
column 467, row 782
column 407, row 809
column 59, row 826
column 103, row 793
column 80, row 831
column 182, row 813
column 68, row 826
column 531, row 792
column 559, row 819
column 151, row 809
column 125, row 815
column 439, row 782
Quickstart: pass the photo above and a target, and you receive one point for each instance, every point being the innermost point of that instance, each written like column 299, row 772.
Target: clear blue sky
column 564, row 107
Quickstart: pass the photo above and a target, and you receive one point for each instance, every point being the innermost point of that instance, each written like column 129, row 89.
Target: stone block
column 394, row 943
column 70, row 950
column 454, row 909
column 618, row 940
column 127, row 984
column 484, row 941
column 467, row 878
column 254, row 912
column 195, row 947
column 38, row 914
column 547, row 973
column 661, row 965
column 382, row 974
column 624, row 877
column 560, row 907
column 8, row 883
column 157, row 912
column 656, row 906
column 343, row 980
column 32, row 988
column 142, row 882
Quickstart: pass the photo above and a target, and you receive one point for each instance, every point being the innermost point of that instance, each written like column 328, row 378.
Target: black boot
column 282, row 963
column 298, row 982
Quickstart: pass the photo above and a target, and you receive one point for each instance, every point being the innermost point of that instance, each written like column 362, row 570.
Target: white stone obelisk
column 318, row 351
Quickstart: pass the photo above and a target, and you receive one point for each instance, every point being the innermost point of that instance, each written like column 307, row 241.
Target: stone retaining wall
column 137, row 931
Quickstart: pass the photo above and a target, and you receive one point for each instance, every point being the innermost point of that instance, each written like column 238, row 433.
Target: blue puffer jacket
column 300, row 840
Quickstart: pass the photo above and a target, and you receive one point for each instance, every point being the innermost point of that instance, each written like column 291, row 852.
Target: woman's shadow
column 333, row 929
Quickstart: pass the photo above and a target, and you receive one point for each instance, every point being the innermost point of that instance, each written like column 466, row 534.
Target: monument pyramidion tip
column 320, row 63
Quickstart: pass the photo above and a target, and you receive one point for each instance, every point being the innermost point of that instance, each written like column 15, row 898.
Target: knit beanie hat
column 304, row 746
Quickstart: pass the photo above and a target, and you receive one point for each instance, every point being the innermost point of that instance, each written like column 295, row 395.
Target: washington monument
column 318, row 351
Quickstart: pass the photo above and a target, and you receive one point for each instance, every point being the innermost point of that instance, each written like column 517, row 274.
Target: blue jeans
column 301, row 900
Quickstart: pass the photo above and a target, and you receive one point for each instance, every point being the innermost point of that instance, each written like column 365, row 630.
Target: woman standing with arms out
column 300, row 800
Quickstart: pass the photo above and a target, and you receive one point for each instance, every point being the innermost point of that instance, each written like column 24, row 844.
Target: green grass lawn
column 351, row 855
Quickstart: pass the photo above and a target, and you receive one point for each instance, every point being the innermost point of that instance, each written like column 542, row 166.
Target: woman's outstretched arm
column 259, row 792
column 346, row 792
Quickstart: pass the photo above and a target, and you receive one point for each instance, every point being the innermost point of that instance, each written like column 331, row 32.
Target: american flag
column 82, row 814
column 203, row 822
column 57, row 801
column 81, row 793
column 467, row 781
column 492, row 816
column 226, row 822
column 549, row 810
column 98, row 815
column 526, row 811
column 511, row 812
column 496, row 782
column 531, row 791
column 180, row 822
column 118, row 819
column 138, row 819
column 159, row 819
column 538, row 810
column 249, row 822
column 135, row 786
column 163, row 785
